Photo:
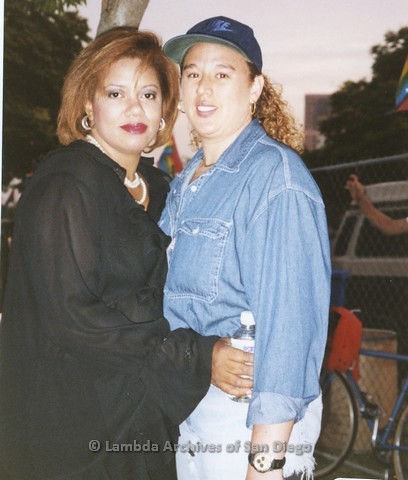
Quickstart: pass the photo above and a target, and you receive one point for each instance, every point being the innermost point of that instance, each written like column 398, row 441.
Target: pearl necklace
column 91, row 139
column 130, row 184
column 136, row 182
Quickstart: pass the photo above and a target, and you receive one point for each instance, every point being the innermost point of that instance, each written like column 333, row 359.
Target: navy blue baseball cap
column 221, row 30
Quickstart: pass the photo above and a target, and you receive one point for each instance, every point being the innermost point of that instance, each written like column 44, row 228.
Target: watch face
column 262, row 462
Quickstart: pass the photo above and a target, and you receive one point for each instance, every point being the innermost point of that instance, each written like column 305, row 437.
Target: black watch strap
column 277, row 463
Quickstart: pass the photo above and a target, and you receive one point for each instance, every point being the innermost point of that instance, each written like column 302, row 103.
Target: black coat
column 85, row 351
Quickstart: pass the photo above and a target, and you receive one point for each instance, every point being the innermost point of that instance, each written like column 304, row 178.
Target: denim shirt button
column 194, row 188
column 196, row 230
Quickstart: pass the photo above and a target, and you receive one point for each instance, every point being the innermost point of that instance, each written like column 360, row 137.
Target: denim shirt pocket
column 195, row 256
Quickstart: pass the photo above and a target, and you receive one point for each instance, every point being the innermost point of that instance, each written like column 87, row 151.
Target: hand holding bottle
column 232, row 369
column 244, row 339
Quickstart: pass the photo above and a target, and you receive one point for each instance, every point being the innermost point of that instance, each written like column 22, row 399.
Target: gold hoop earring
column 252, row 108
column 180, row 107
column 85, row 123
column 195, row 139
column 162, row 124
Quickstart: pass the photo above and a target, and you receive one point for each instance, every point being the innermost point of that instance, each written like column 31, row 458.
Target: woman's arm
column 269, row 436
column 388, row 225
column 287, row 250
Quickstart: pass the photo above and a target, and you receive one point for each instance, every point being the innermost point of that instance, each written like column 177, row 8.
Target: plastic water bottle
column 244, row 339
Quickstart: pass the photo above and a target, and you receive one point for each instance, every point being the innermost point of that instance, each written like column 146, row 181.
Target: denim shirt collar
column 231, row 159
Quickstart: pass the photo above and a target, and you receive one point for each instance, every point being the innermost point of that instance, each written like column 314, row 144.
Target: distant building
column 317, row 108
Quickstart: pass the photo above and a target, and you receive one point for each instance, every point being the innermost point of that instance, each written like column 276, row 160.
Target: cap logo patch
column 220, row 26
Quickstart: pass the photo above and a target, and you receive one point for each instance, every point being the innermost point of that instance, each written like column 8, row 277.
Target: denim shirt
column 251, row 234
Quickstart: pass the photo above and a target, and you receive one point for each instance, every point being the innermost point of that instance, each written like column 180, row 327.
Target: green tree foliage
column 50, row 6
column 363, row 123
column 38, row 49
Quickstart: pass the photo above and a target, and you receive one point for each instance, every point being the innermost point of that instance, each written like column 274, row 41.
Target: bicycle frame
column 384, row 441
column 344, row 404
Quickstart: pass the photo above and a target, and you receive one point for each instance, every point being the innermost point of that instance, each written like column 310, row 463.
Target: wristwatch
column 262, row 462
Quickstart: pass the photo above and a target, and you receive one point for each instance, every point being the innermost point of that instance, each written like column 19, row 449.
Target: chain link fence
column 370, row 275
column 370, row 269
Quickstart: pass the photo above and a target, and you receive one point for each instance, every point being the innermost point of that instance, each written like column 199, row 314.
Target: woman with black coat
column 93, row 383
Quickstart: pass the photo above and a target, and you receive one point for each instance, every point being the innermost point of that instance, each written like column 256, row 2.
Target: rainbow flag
column 401, row 99
column 169, row 160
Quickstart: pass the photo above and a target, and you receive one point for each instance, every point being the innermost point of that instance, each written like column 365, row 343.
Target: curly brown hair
column 85, row 77
column 275, row 115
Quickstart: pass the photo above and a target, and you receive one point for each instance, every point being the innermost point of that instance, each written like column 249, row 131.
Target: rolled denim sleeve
column 269, row 408
column 286, row 275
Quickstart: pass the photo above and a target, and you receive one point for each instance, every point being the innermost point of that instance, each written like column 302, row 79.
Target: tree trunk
column 117, row 13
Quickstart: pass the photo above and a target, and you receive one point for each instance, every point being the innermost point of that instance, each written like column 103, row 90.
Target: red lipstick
column 134, row 128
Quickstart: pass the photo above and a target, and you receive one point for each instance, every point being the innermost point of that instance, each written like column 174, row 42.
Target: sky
column 309, row 46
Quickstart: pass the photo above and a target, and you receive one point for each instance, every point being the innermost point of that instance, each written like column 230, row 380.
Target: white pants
column 217, row 435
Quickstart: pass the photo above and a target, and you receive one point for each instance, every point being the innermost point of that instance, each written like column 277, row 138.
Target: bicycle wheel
column 401, row 440
column 339, row 423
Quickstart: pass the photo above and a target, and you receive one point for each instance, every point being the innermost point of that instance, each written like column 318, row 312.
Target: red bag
column 343, row 342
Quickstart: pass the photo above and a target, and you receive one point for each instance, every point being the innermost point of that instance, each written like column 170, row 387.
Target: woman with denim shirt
column 249, row 232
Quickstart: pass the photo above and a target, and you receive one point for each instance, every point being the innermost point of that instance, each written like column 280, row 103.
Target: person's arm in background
column 387, row 225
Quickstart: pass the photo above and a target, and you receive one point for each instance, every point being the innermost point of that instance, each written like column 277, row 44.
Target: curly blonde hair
column 275, row 115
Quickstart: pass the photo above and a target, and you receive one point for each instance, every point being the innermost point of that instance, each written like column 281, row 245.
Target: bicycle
column 343, row 404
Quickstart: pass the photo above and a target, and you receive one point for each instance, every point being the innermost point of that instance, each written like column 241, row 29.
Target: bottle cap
column 247, row 318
